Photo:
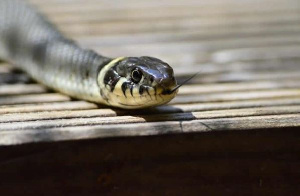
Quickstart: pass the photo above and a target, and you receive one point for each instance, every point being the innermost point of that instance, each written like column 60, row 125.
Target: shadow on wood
column 233, row 162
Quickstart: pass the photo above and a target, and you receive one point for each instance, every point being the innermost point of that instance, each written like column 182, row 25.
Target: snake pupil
column 136, row 75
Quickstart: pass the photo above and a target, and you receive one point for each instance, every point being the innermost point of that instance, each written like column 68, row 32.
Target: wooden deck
column 232, row 130
column 248, row 55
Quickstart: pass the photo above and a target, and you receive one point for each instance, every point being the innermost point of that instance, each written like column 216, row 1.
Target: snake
column 30, row 42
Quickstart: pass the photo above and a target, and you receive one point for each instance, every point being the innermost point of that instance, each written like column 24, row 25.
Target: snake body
column 33, row 44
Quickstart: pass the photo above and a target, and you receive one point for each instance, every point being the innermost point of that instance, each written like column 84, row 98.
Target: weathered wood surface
column 248, row 53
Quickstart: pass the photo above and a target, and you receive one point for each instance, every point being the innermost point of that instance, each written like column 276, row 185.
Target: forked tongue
column 180, row 85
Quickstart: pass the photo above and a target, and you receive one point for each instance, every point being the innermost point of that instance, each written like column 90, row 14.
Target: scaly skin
column 34, row 45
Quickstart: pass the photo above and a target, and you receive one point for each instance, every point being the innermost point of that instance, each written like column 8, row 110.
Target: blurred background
column 226, row 40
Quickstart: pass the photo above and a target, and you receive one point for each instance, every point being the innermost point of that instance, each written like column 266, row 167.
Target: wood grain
column 232, row 130
column 247, row 53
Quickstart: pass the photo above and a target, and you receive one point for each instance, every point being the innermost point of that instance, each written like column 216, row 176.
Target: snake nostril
column 151, row 79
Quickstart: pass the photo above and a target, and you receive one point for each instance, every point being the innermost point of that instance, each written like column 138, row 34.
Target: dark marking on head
column 113, row 84
column 131, row 90
column 155, row 93
column 151, row 79
column 155, row 90
column 124, row 87
column 142, row 89
column 147, row 90
column 111, row 78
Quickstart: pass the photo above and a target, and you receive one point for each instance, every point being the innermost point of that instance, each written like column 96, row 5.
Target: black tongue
column 178, row 86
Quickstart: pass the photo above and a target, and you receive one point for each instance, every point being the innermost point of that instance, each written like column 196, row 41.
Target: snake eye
column 136, row 75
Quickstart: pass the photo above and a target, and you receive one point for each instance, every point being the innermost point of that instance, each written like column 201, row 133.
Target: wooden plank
column 232, row 96
column 40, row 98
column 77, row 8
column 168, row 25
column 151, row 128
column 50, row 115
column 188, row 34
column 250, row 54
column 237, row 87
column 254, row 122
column 163, row 13
column 15, row 89
column 243, row 76
column 197, row 46
column 47, row 120
column 227, row 105
column 255, row 66
column 52, row 106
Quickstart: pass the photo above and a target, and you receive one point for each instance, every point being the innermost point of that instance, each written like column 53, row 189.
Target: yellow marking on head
column 151, row 91
column 118, row 87
column 104, row 70
column 135, row 92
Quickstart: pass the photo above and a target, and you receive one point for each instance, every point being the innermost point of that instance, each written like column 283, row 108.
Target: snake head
column 137, row 82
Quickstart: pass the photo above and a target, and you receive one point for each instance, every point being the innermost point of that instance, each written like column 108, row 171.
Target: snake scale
column 33, row 44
